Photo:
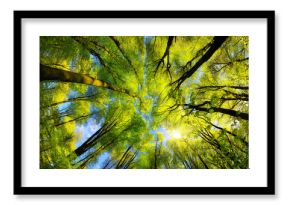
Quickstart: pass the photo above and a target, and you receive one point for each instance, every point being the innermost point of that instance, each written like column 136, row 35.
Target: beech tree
column 144, row 102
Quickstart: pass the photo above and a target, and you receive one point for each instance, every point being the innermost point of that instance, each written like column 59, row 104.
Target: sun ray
column 175, row 134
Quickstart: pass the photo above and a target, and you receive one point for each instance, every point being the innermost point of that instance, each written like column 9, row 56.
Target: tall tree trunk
column 54, row 74
column 72, row 120
column 123, row 158
column 80, row 98
column 92, row 140
column 244, row 116
column 84, row 162
column 203, row 162
column 215, row 45
column 230, row 112
column 156, row 154
column 165, row 54
column 224, row 86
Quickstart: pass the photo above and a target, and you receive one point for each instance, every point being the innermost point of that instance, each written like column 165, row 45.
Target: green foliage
column 143, row 120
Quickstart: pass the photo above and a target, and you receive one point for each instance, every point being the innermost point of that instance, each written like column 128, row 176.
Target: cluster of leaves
column 163, row 102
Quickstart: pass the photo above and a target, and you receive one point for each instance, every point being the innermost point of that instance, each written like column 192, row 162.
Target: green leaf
column 214, row 101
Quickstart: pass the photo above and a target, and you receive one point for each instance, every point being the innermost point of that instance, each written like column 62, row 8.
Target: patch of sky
column 45, row 53
column 72, row 63
column 218, row 66
column 72, row 94
column 165, row 133
column 87, row 129
column 98, row 164
column 236, row 124
column 147, row 39
column 187, row 99
column 136, row 102
column 66, row 105
column 94, row 109
column 91, row 90
column 139, row 87
column 50, row 84
column 198, row 76
column 95, row 60
column 216, row 124
column 197, row 79
column 112, row 99
column 163, row 130
column 63, row 106
column 223, row 75
column 147, row 117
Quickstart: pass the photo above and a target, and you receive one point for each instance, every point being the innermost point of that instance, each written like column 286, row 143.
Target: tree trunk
column 80, row 98
column 224, row 86
column 244, row 116
column 165, row 54
column 215, row 45
column 230, row 112
column 54, row 74
column 72, row 120
column 92, row 141
column 203, row 162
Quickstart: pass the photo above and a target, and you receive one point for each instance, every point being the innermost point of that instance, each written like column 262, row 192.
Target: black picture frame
column 19, row 189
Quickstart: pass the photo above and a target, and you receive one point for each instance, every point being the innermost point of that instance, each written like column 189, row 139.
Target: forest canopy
column 144, row 102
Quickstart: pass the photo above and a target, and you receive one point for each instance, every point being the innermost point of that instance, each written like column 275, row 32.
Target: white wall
column 282, row 99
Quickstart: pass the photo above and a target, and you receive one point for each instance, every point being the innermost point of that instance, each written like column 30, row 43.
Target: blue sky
column 87, row 129
column 165, row 133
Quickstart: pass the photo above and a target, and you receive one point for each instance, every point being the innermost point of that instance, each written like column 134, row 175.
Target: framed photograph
column 144, row 102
